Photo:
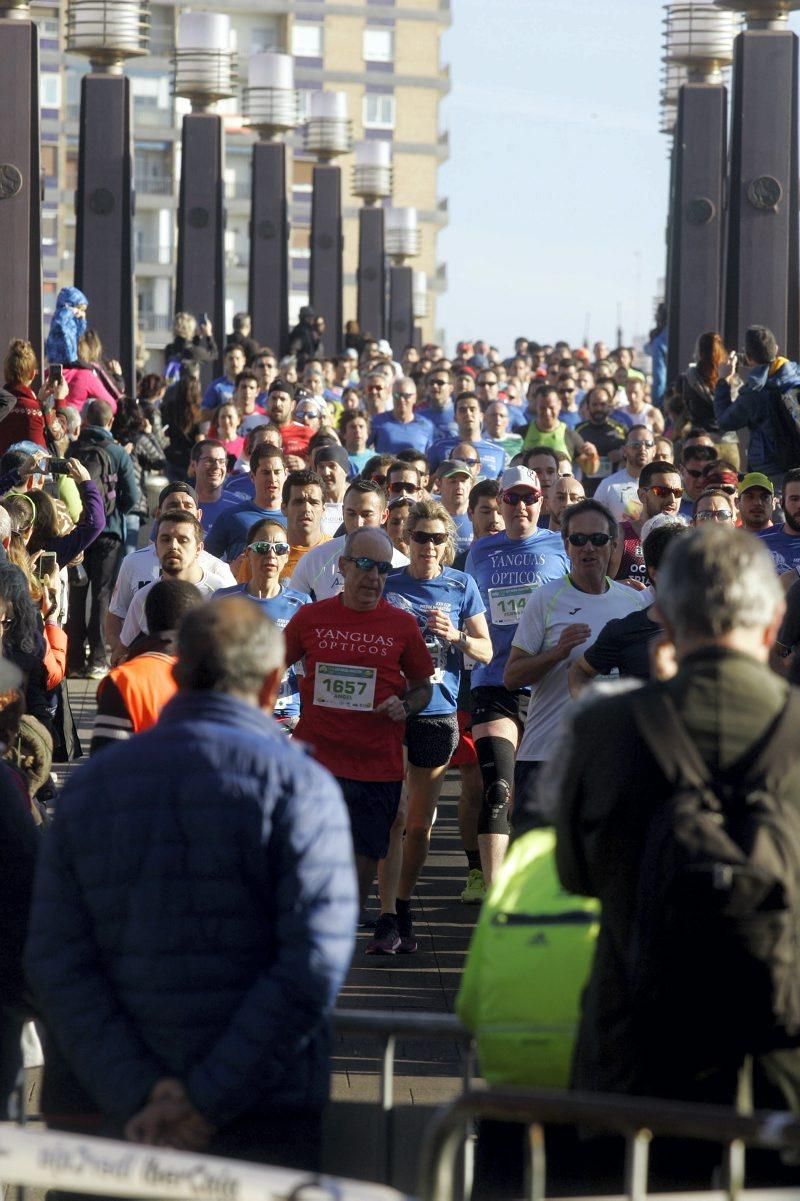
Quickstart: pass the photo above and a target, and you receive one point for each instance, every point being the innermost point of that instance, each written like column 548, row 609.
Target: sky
column 558, row 175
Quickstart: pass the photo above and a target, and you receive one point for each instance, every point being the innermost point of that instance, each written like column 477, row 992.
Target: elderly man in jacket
column 194, row 916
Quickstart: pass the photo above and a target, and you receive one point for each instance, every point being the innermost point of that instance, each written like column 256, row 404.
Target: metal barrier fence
column 638, row 1120
column 387, row 1026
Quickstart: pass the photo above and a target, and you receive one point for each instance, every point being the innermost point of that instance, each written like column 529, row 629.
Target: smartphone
column 204, row 319
column 58, row 466
column 47, row 565
column 55, row 373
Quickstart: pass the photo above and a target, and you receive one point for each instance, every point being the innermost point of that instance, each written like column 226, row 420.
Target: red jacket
column 25, row 421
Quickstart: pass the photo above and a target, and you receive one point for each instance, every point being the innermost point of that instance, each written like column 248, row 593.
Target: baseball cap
column 350, row 353
column 384, row 347
column 756, row 479
column 654, row 523
column 519, row 477
column 281, row 385
column 333, row 454
column 449, row 467
column 177, row 486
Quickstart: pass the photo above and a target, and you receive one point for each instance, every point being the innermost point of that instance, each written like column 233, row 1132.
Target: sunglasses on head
column 400, row 486
column 530, row 496
column 662, row 490
column 582, row 539
column 364, row 563
column 263, row 548
column 424, row 537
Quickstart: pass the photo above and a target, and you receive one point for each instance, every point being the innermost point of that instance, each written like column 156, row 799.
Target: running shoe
column 386, row 938
column 475, row 890
column 405, row 928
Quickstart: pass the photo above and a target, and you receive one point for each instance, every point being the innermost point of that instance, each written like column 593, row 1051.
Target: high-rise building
column 383, row 53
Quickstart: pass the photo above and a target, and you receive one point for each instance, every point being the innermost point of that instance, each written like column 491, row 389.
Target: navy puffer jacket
column 194, row 915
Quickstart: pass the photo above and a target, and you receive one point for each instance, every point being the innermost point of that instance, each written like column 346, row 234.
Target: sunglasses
column 405, row 396
column 582, row 539
column 263, row 548
column 662, row 490
column 301, row 413
column 531, row 496
column 646, row 444
column 423, row 537
column 714, row 515
column 399, row 487
column 364, row 563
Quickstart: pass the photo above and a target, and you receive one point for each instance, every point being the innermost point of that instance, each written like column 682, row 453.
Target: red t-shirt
column 631, row 565
column 295, row 438
column 352, row 661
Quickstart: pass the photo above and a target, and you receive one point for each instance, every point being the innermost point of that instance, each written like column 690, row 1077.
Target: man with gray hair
column 649, row 773
column 194, row 916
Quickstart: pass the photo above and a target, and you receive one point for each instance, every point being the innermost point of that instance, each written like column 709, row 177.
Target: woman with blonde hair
column 450, row 613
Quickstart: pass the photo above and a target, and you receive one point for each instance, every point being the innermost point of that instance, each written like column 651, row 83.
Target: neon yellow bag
column 527, row 966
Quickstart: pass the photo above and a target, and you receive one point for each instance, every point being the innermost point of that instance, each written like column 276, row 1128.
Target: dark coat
column 751, row 409
column 194, row 915
column 127, row 490
column 612, row 786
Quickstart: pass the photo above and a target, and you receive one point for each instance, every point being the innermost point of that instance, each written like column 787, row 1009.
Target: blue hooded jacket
column 751, row 409
column 66, row 327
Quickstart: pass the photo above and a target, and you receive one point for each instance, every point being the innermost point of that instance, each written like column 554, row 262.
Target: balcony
column 153, row 252
column 154, row 185
column 155, row 323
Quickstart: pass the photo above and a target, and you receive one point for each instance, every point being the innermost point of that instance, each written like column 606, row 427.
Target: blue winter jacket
column 750, row 410
column 194, row 915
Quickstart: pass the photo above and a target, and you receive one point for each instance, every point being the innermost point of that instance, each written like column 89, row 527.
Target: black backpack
column 715, row 958
column 98, row 462
column 784, row 420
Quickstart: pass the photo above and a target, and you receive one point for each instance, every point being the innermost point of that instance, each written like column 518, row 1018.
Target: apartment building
column 385, row 54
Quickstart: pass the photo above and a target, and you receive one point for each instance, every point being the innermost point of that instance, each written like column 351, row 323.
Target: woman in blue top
column 267, row 554
column 450, row 613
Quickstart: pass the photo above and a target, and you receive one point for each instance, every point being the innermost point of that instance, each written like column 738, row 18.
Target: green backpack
column 527, row 967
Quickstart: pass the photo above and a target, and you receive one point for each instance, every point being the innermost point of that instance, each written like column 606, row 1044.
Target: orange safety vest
column 145, row 685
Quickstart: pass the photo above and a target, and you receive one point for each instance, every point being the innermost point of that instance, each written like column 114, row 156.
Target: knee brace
column 496, row 759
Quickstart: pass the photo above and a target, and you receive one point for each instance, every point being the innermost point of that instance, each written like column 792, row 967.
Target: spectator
column 133, row 428
column 26, row 421
column 111, row 468
column 67, row 325
column 190, row 342
column 181, row 418
column 304, row 339
column 225, row 1051
column 242, row 328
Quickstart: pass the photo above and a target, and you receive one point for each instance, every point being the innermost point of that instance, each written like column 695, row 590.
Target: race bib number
column 438, row 653
column 506, row 604
column 339, row 686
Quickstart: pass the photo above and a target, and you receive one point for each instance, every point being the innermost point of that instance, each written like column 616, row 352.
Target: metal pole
column 200, row 281
column 326, row 252
column 696, row 222
column 20, row 185
column 762, row 261
column 401, row 308
column 268, row 285
column 371, row 272
column 104, row 261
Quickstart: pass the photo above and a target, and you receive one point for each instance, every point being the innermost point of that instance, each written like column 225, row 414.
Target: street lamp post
column 20, row 190
column 270, row 107
column 762, row 267
column 699, row 37
column 372, row 181
column 108, row 32
column 402, row 243
column 204, row 74
column 328, row 134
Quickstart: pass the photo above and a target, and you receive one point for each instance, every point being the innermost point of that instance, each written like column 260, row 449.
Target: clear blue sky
column 558, row 174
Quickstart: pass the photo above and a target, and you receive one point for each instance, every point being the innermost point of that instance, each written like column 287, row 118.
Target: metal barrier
column 70, row 1162
column 387, row 1026
column 638, row 1120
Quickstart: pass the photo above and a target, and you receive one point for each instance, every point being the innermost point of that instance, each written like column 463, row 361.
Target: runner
column 448, row 609
column 267, row 555
column 366, row 669
column 507, row 568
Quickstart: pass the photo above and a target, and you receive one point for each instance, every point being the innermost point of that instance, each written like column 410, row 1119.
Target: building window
column 378, row 45
column 378, row 111
column 303, row 105
column 50, row 90
column 306, row 40
column 49, row 159
column 264, row 37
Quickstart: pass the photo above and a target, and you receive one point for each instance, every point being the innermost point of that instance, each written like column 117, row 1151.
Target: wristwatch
column 462, row 641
